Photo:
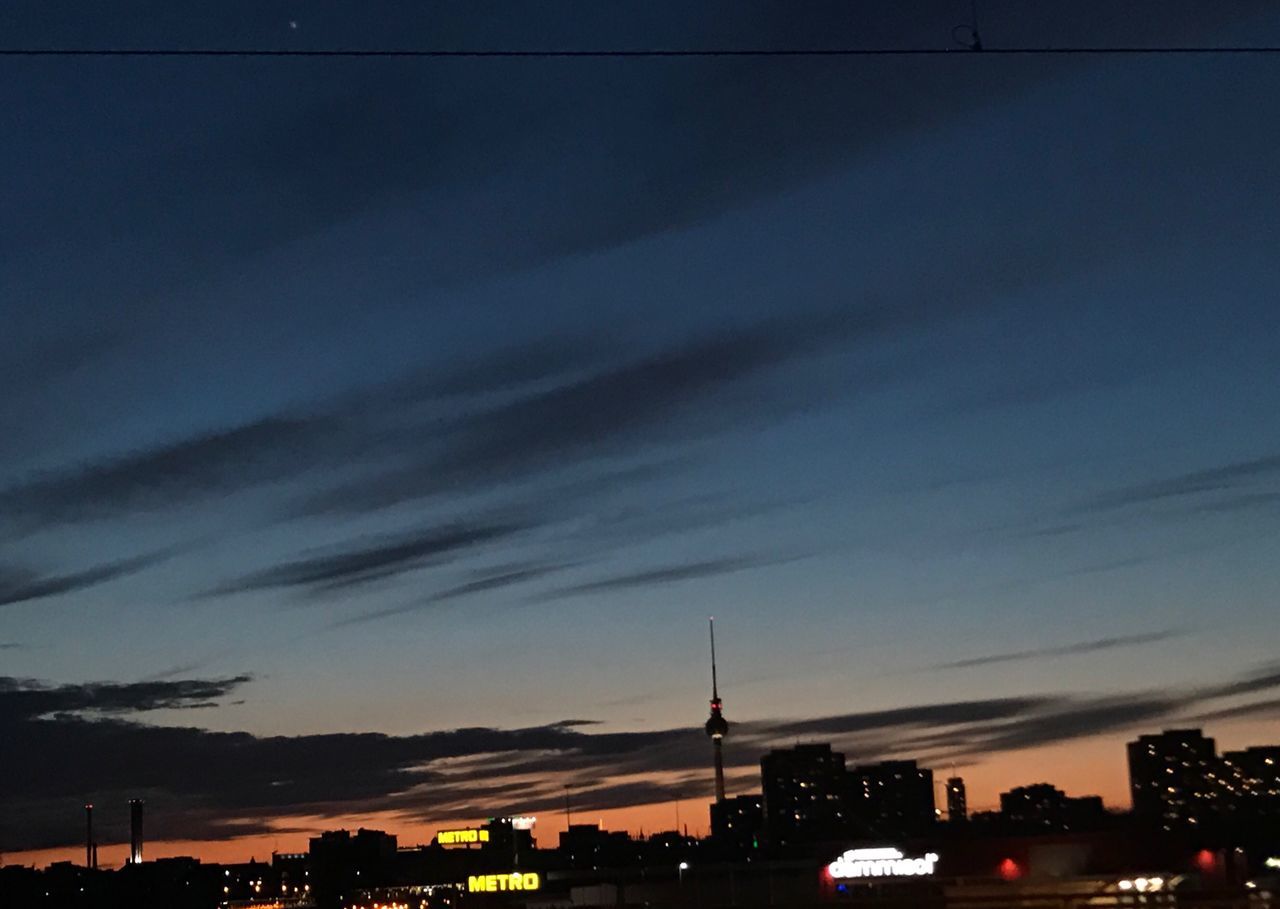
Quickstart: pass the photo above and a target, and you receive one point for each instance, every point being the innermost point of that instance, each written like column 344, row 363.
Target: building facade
column 803, row 792
column 1173, row 778
column 890, row 799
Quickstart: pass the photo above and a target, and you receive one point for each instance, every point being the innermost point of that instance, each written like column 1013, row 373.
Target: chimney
column 135, row 831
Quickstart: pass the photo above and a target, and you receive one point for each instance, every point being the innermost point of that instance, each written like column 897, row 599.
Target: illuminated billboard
column 465, row 836
column 884, row 861
column 496, row 883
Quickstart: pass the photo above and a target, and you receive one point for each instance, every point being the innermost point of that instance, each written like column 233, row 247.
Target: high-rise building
column 588, row 846
column 1249, row 786
column 511, row 836
column 957, row 801
column 1038, row 806
column 737, row 823
column 891, row 799
column 135, row 831
column 341, row 862
column 717, row 727
column 803, row 794
column 1173, row 778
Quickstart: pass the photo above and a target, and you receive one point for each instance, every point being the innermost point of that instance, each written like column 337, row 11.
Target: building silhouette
column 957, row 800
column 1043, row 808
column 342, row 862
column 737, row 824
column 803, row 794
column 1173, row 778
column 1249, row 788
column 890, row 799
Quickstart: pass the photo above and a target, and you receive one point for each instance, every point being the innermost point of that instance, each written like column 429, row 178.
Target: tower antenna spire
column 715, row 688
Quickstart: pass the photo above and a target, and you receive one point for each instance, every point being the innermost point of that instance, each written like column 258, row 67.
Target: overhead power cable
column 971, row 48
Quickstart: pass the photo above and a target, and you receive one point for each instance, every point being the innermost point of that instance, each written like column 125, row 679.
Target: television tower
column 717, row 727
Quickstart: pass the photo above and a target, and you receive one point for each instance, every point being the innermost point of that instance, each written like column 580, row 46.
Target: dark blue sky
column 409, row 395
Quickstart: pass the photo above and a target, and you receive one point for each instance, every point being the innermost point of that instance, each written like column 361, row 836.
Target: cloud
column 20, row 585
column 1073, row 720
column 484, row 582
column 1082, row 647
column 667, row 574
column 390, row 556
column 26, row 699
column 1269, row 709
column 205, row 784
column 221, row 461
column 541, row 405
column 652, row 399
column 1193, row 483
column 362, row 425
column 12, row 645
column 1262, row 679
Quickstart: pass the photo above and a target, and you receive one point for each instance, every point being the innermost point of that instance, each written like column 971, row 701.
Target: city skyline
column 376, row 436
column 913, row 810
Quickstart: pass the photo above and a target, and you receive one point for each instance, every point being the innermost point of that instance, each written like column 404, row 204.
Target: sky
column 377, row 435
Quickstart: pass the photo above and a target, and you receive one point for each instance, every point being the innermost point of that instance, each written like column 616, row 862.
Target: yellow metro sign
column 495, row 883
column 461, row 837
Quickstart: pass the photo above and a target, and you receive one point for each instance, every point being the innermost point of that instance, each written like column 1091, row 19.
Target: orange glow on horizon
column 1087, row 767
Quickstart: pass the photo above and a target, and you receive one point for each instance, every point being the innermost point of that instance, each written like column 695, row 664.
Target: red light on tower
column 1009, row 870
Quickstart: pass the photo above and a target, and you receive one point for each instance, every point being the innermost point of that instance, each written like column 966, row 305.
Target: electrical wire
column 968, row 49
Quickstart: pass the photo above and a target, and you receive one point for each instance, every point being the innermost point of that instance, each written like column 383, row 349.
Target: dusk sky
column 377, row 435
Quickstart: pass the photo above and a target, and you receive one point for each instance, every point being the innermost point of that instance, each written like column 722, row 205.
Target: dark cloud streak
column 219, row 778
column 667, row 574
column 1083, row 647
column 1193, row 483
column 20, row 585
column 387, row 557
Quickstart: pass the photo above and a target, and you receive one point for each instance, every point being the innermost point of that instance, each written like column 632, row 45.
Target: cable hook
column 968, row 35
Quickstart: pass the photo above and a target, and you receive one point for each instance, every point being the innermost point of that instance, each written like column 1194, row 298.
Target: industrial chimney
column 135, row 831
column 89, row 859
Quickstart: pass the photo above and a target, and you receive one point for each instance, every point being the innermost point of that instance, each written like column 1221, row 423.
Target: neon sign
column 460, row 837
column 494, row 883
column 881, row 862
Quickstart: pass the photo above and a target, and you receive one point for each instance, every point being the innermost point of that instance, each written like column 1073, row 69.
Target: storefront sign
column 881, row 862
column 495, row 883
column 465, row 836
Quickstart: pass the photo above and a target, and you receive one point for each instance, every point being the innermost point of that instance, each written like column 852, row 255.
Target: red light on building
column 1009, row 870
column 1206, row 861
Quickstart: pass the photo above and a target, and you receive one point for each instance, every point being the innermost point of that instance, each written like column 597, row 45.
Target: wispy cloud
column 200, row 465
column 1082, row 647
column 19, row 585
column 653, row 398
column 666, row 574
column 389, row 556
column 1194, row 483
column 485, row 582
